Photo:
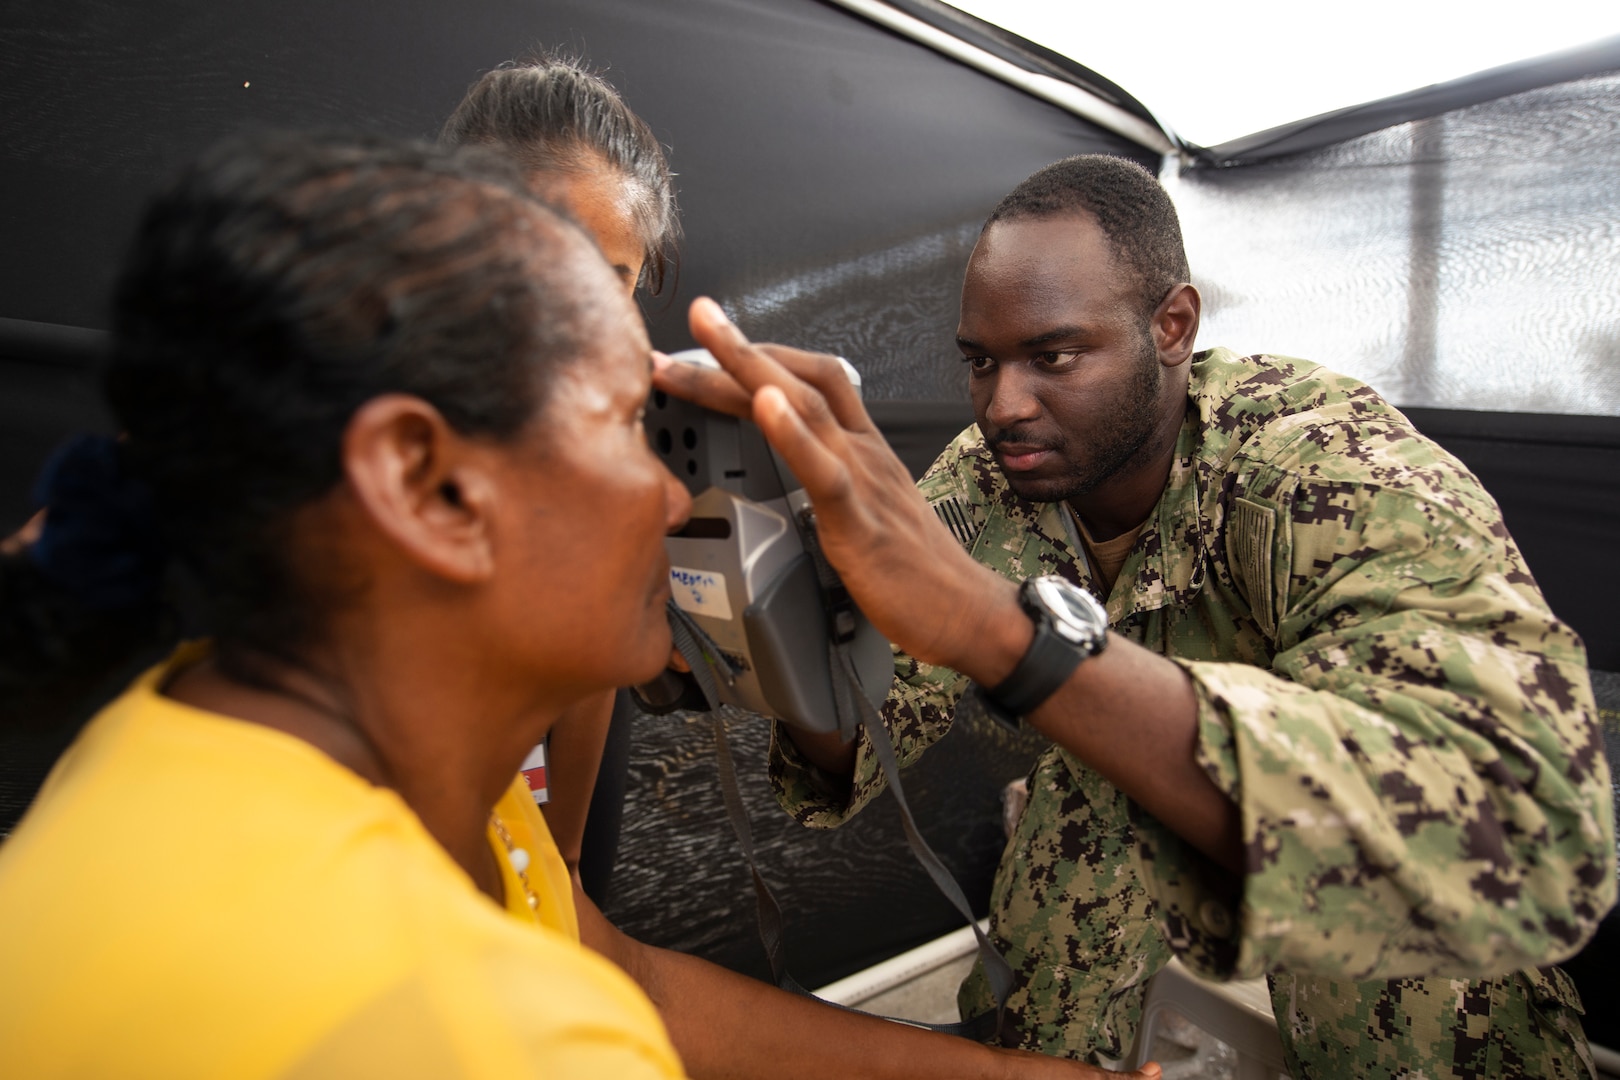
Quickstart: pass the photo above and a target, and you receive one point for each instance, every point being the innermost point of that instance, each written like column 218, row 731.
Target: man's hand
column 905, row 570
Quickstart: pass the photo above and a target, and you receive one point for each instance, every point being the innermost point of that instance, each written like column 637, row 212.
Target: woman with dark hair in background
column 384, row 407
column 583, row 150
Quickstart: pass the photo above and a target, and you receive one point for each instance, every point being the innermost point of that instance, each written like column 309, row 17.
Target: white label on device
column 700, row 592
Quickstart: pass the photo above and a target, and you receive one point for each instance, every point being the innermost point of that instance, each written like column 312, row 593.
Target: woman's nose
column 677, row 502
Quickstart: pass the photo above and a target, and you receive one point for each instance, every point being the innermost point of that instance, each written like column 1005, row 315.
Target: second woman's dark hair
column 553, row 115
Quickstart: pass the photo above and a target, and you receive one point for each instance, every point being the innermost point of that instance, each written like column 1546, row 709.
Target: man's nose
column 1013, row 399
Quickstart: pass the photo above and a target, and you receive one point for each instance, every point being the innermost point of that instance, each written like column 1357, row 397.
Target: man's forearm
column 1132, row 715
column 827, row 751
column 1128, row 713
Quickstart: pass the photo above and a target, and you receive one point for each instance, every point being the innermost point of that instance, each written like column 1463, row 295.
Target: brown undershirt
column 1107, row 556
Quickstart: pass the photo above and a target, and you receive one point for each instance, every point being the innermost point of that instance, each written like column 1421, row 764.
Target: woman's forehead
column 611, row 343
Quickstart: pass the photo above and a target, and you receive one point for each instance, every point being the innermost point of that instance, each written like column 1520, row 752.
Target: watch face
column 1076, row 615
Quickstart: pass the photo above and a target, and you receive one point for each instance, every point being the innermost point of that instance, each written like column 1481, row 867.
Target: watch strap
column 1046, row 666
column 1048, row 662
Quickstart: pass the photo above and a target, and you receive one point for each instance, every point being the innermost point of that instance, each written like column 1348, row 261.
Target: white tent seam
column 1066, row 96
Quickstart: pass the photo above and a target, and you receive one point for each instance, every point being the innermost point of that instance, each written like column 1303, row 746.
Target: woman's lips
column 1021, row 458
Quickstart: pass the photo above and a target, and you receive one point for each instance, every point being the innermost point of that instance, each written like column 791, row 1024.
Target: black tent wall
column 816, row 153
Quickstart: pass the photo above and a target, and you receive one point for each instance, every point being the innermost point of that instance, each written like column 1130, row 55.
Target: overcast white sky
column 1213, row 71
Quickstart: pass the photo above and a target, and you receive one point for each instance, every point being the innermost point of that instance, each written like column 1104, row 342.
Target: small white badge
column 535, row 772
column 700, row 592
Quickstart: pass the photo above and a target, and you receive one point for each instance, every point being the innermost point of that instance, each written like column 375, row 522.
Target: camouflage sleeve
column 920, row 706
column 917, row 715
column 1422, row 785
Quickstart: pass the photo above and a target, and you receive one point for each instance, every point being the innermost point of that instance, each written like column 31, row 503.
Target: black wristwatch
column 1070, row 625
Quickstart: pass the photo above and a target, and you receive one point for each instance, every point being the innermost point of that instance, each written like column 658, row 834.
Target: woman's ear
column 427, row 489
column 1175, row 324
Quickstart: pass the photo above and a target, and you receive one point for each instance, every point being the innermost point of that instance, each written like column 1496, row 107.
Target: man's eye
column 979, row 364
column 1056, row 359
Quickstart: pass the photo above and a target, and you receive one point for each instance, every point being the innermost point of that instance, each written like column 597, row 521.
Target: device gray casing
column 740, row 567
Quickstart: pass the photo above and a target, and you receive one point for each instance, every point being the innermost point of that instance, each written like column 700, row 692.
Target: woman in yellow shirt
column 386, row 409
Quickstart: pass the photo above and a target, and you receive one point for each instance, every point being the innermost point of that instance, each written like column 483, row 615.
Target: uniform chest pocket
column 1251, row 535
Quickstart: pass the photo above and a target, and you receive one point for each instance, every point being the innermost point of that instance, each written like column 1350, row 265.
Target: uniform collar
column 1167, row 567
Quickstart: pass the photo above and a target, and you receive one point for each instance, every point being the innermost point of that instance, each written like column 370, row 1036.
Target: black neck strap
column 710, row 667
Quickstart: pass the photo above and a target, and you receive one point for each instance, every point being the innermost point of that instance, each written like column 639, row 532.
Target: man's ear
column 1175, row 324
column 427, row 489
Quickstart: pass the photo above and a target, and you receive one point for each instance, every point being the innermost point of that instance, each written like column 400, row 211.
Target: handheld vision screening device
column 742, row 568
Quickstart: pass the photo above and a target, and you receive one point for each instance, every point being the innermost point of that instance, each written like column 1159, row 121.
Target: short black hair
column 280, row 283
column 1127, row 202
column 552, row 114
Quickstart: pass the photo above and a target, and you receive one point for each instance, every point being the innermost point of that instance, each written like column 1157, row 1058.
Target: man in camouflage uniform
column 1401, row 730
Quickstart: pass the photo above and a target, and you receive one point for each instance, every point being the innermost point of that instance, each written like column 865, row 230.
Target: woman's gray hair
column 554, row 115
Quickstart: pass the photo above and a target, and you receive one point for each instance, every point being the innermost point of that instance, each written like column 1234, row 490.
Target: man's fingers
column 751, row 367
column 707, row 387
column 815, row 385
column 827, row 376
column 817, row 467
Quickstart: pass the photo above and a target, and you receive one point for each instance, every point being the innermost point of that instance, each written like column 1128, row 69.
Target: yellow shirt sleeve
column 196, row 896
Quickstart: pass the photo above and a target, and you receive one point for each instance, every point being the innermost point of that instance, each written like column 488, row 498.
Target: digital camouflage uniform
column 1406, row 728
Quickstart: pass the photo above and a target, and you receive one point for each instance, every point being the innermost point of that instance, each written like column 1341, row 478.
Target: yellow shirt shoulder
column 195, row 895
